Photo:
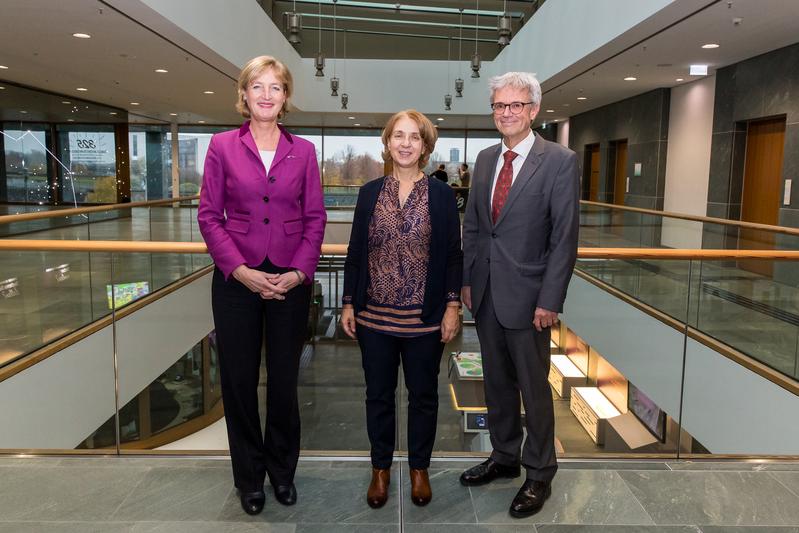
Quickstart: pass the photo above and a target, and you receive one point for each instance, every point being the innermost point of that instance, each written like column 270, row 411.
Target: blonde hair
column 427, row 131
column 254, row 68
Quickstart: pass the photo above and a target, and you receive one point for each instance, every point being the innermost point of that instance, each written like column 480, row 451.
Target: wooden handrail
column 341, row 249
column 695, row 218
column 55, row 213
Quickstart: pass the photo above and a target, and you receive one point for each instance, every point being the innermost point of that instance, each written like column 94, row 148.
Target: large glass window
column 26, row 165
column 478, row 140
column 150, row 156
column 449, row 152
column 352, row 156
column 89, row 154
column 193, row 145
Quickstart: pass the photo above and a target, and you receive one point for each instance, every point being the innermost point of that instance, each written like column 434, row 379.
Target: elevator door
column 765, row 141
column 620, row 173
column 592, row 152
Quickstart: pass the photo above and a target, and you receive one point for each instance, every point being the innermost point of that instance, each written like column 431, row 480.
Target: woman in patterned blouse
column 402, row 279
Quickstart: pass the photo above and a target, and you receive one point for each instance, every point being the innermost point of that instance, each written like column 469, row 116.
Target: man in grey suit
column 520, row 246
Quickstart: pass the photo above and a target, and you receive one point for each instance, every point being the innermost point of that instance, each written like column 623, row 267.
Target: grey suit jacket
column 530, row 252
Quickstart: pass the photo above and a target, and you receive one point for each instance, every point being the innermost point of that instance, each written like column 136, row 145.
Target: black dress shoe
column 530, row 498
column 252, row 502
column 486, row 472
column 286, row 494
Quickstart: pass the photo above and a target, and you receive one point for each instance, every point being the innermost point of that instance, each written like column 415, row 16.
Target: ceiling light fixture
column 351, row 118
column 2, row 88
column 82, row 89
column 208, row 92
column 679, row 79
column 201, row 121
column 334, row 80
column 504, row 28
column 319, row 63
column 630, row 78
column 173, row 114
column 3, row 67
column 82, row 35
column 440, row 119
column 112, row 113
column 550, row 110
column 161, row 70
column 65, row 102
column 459, row 79
column 476, row 56
column 293, row 25
column 710, row 46
column 582, row 98
column 23, row 112
column 134, row 103
column 356, row 124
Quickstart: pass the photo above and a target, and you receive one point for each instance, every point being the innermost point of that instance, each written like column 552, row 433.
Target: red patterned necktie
column 504, row 181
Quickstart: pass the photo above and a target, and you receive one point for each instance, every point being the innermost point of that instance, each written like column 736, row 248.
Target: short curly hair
column 254, row 68
column 427, row 131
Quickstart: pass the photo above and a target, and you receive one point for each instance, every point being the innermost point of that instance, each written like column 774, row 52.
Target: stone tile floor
column 178, row 494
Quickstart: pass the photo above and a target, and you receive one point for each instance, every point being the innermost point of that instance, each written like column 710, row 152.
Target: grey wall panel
column 150, row 340
column 648, row 352
column 730, row 409
column 60, row 401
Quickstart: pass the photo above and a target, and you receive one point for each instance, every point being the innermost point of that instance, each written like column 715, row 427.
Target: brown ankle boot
column 377, row 494
column 421, row 494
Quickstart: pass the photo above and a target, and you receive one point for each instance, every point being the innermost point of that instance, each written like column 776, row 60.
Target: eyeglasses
column 515, row 107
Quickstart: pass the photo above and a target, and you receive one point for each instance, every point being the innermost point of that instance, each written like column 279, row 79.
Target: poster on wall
column 91, row 148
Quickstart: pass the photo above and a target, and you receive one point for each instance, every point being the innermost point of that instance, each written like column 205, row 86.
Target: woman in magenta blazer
column 262, row 216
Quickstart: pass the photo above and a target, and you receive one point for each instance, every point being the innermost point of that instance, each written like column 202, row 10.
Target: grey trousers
column 516, row 361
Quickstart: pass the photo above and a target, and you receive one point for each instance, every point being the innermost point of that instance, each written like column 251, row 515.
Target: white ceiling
column 117, row 65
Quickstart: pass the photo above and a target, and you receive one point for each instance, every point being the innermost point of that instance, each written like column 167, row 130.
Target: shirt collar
column 523, row 148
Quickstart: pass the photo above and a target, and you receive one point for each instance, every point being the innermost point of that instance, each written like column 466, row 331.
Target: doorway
column 591, row 173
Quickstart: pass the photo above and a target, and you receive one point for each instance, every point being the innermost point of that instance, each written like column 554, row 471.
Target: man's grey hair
column 517, row 80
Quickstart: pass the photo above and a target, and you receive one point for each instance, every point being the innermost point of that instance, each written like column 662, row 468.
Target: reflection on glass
column 150, row 161
column 25, row 174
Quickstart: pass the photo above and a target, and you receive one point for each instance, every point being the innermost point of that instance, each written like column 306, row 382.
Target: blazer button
column 493, row 235
column 488, row 259
column 266, row 199
column 271, row 179
column 266, row 221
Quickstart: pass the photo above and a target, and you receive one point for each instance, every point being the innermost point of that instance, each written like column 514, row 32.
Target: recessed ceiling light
column 65, row 102
column 24, row 112
column 3, row 67
column 698, row 70
column 173, row 114
column 356, row 124
column 70, row 120
column 550, row 110
column 709, row 46
column 112, row 113
column 82, row 35
column 582, row 98
column 161, row 70
column 630, row 78
column 208, row 92
column 201, row 121
column 134, row 103
column 351, row 118
column 679, row 79
column 440, row 119
column 2, row 88
column 82, row 89
column 565, row 105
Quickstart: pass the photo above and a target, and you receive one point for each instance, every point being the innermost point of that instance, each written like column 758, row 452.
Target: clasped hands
column 268, row 286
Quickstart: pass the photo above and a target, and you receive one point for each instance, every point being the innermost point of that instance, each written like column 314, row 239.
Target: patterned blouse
column 399, row 252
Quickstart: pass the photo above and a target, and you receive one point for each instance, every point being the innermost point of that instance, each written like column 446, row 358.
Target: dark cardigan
column 445, row 269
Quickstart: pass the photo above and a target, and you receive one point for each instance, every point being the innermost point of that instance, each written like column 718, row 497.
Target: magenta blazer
column 247, row 213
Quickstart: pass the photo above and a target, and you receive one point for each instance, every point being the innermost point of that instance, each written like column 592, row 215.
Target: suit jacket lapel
column 530, row 165
column 284, row 145
column 490, row 184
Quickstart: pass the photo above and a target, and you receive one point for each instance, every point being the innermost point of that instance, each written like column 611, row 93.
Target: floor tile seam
column 778, row 480
column 632, row 494
column 129, row 494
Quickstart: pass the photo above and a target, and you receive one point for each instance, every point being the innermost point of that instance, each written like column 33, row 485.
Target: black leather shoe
column 486, row 472
column 286, row 494
column 530, row 498
column 252, row 502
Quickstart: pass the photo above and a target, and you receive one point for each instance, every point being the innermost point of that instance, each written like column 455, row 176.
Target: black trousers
column 516, row 361
column 421, row 358
column 241, row 318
